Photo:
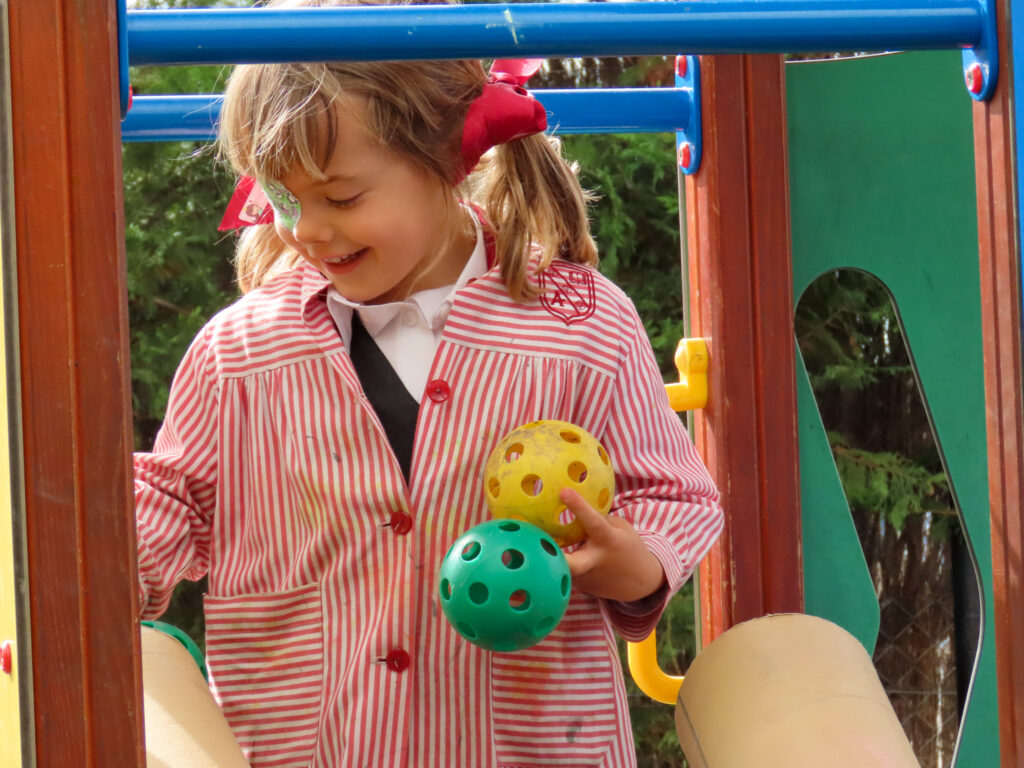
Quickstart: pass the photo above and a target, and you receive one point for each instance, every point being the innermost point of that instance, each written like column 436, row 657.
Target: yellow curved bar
column 648, row 676
column 692, row 363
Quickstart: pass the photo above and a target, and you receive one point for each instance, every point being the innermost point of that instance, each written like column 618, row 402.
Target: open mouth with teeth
column 341, row 261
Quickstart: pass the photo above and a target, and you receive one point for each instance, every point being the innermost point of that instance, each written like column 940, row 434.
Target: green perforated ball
column 504, row 585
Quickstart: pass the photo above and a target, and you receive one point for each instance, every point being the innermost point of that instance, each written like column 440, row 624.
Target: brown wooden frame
column 741, row 301
column 999, row 258
column 73, row 348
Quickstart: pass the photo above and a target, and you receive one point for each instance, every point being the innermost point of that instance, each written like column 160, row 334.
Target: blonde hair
column 278, row 118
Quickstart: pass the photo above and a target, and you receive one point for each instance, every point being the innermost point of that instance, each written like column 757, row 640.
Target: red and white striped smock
column 325, row 640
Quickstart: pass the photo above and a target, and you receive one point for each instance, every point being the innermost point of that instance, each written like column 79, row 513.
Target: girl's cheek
column 286, row 236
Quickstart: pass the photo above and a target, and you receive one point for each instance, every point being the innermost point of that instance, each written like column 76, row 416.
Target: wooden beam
column 75, row 403
column 741, row 300
column 1001, row 297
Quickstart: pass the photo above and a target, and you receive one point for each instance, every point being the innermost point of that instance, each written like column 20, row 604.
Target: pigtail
column 533, row 197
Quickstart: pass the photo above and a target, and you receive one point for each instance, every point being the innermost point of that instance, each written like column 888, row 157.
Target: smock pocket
column 564, row 693
column 265, row 654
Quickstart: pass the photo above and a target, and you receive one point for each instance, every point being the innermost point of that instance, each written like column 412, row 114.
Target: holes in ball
column 564, row 586
column 478, row 593
column 470, row 551
column 532, row 485
column 508, row 525
column 512, row 559
column 466, row 631
column 513, row 452
column 577, row 471
column 604, row 456
column 569, row 437
column 446, row 589
column 548, row 547
column 493, row 487
column 565, row 517
column 602, row 498
column 519, row 600
column 545, row 625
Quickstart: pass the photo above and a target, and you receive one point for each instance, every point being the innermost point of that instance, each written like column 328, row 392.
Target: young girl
column 325, row 440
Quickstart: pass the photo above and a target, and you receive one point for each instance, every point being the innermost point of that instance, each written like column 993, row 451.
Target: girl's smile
column 376, row 225
column 338, row 264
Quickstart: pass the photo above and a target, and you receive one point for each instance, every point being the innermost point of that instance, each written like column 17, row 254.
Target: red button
column 6, row 657
column 397, row 660
column 401, row 522
column 438, row 390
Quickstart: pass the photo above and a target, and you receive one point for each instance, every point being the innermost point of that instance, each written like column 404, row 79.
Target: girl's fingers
column 581, row 561
column 594, row 523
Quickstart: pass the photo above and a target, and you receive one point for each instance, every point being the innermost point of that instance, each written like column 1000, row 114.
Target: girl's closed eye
column 344, row 202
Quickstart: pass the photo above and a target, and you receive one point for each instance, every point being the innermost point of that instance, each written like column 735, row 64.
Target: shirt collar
column 434, row 303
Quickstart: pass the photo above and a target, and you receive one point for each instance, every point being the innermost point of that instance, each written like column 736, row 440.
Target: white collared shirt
column 408, row 332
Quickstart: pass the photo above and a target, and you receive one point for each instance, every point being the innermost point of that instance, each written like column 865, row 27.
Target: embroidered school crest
column 567, row 292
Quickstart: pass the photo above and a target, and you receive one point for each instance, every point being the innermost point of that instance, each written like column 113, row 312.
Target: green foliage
column 888, row 484
column 849, row 334
column 179, row 270
column 636, row 224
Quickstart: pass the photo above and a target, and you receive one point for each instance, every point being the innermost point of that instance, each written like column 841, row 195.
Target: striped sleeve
column 175, row 485
column 662, row 486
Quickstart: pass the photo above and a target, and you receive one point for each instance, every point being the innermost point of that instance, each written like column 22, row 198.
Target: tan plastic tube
column 788, row 691
column 184, row 726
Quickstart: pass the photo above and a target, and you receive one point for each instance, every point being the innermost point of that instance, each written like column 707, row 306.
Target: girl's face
column 376, row 225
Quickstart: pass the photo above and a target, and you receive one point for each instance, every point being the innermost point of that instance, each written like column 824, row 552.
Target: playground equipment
column 788, row 690
column 529, row 466
column 504, row 585
column 184, row 725
column 68, row 539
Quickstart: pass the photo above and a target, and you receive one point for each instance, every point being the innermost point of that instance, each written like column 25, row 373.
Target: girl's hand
column 612, row 562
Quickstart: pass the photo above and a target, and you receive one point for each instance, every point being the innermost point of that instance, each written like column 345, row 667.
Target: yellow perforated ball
column 531, row 464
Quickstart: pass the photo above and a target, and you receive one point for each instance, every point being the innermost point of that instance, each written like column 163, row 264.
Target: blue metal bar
column 360, row 33
column 172, row 118
column 616, row 110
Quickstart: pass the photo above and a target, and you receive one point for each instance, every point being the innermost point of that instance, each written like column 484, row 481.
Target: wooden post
column 741, row 300
column 72, row 321
column 1001, row 296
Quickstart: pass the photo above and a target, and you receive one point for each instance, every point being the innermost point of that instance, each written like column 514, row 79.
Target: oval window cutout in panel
column 903, row 505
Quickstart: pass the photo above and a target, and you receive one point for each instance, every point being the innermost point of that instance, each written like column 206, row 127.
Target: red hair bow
column 503, row 112
column 248, row 206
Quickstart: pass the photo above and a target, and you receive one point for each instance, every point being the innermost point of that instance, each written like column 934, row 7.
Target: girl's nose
column 310, row 229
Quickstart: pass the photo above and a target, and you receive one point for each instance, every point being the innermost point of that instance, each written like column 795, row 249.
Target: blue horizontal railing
column 375, row 33
column 615, row 110
column 361, row 33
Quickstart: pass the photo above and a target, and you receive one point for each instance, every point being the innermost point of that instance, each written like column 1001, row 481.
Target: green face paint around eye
column 286, row 207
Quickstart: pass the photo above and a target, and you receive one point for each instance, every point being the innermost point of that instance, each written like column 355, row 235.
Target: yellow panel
column 10, row 706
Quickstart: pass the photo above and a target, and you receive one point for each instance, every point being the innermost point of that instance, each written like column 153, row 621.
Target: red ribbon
column 248, row 206
column 504, row 111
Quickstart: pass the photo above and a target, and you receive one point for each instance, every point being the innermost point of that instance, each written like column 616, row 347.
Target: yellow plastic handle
column 648, row 676
column 692, row 363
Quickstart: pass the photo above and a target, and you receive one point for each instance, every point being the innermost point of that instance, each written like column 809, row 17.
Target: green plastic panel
column 882, row 180
column 845, row 594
